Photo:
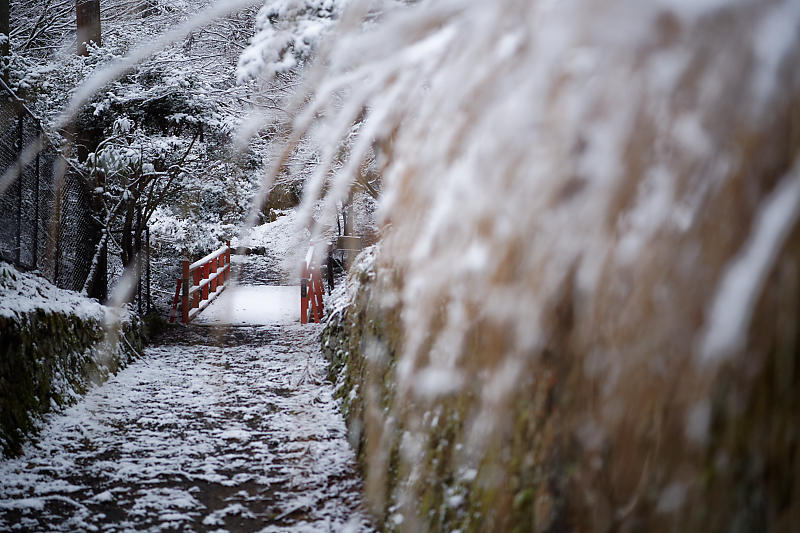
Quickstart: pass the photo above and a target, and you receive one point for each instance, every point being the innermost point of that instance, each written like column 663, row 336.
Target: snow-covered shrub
column 287, row 33
column 195, row 237
column 159, row 134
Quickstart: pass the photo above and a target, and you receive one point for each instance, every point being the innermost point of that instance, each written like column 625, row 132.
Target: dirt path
column 214, row 429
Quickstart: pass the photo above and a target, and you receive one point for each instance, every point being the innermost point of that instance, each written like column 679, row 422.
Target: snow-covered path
column 214, row 429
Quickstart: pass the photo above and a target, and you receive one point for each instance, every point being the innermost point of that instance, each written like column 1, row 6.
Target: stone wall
column 542, row 467
column 50, row 354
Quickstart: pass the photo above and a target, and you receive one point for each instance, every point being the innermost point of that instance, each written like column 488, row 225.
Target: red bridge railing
column 200, row 283
column 311, row 289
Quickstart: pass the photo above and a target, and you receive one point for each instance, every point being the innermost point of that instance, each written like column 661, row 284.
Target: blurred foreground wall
column 584, row 311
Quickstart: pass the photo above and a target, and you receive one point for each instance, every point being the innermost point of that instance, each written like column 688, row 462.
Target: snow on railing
column 200, row 283
column 311, row 288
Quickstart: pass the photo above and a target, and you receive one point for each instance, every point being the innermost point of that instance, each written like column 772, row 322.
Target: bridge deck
column 253, row 305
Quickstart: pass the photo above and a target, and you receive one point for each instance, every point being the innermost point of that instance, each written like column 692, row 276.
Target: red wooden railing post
column 228, row 259
column 214, row 264
column 206, row 268
column 311, row 289
column 304, row 295
column 200, row 283
column 185, row 291
column 314, row 298
column 196, row 277
column 174, row 311
column 318, row 291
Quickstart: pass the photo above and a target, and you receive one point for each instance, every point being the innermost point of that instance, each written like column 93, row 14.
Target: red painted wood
column 205, row 272
column 197, row 275
column 318, row 292
column 193, row 274
column 228, row 259
column 174, row 311
column 304, row 295
column 311, row 299
column 185, row 288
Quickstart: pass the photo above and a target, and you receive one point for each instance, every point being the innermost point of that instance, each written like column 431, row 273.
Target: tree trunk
column 5, row 45
column 127, row 238
column 96, row 285
column 88, row 17
column 347, row 215
column 137, row 248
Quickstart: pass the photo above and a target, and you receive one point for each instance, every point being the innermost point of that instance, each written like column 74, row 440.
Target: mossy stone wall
column 47, row 359
column 531, row 474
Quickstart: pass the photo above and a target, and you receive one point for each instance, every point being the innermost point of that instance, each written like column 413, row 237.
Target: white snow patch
column 672, row 498
column 698, row 422
column 254, row 306
column 235, row 434
column 103, row 497
column 432, row 382
column 22, row 293
column 776, row 34
column 468, row 475
column 36, row 504
column 744, row 278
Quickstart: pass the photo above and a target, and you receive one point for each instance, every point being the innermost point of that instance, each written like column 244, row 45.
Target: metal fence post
column 147, row 266
column 138, row 245
column 36, row 215
column 20, row 118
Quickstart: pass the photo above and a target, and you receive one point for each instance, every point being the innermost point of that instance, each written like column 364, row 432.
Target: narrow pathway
column 215, row 428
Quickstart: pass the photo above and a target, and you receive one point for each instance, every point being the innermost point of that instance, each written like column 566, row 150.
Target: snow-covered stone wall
column 53, row 345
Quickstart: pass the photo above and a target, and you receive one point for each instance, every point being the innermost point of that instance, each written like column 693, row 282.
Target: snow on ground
column 22, row 293
column 281, row 236
column 241, row 433
column 253, row 305
column 286, row 241
column 282, row 239
column 214, row 429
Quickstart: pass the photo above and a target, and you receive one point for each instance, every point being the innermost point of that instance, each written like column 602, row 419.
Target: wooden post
column 347, row 214
column 175, row 301
column 196, row 276
column 206, row 272
column 314, row 302
column 304, row 296
column 214, row 265
column 329, row 269
column 87, row 15
column 20, row 181
column 319, row 291
column 185, row 291
column 147, row 264
column 228, row 259
column 5, row 28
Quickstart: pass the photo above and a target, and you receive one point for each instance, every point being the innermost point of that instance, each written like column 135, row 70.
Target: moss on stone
column 523, row 498
column 47, row 360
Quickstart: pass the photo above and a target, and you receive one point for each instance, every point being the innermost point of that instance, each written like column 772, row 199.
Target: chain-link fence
column 141, row 294
column 46, row 219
